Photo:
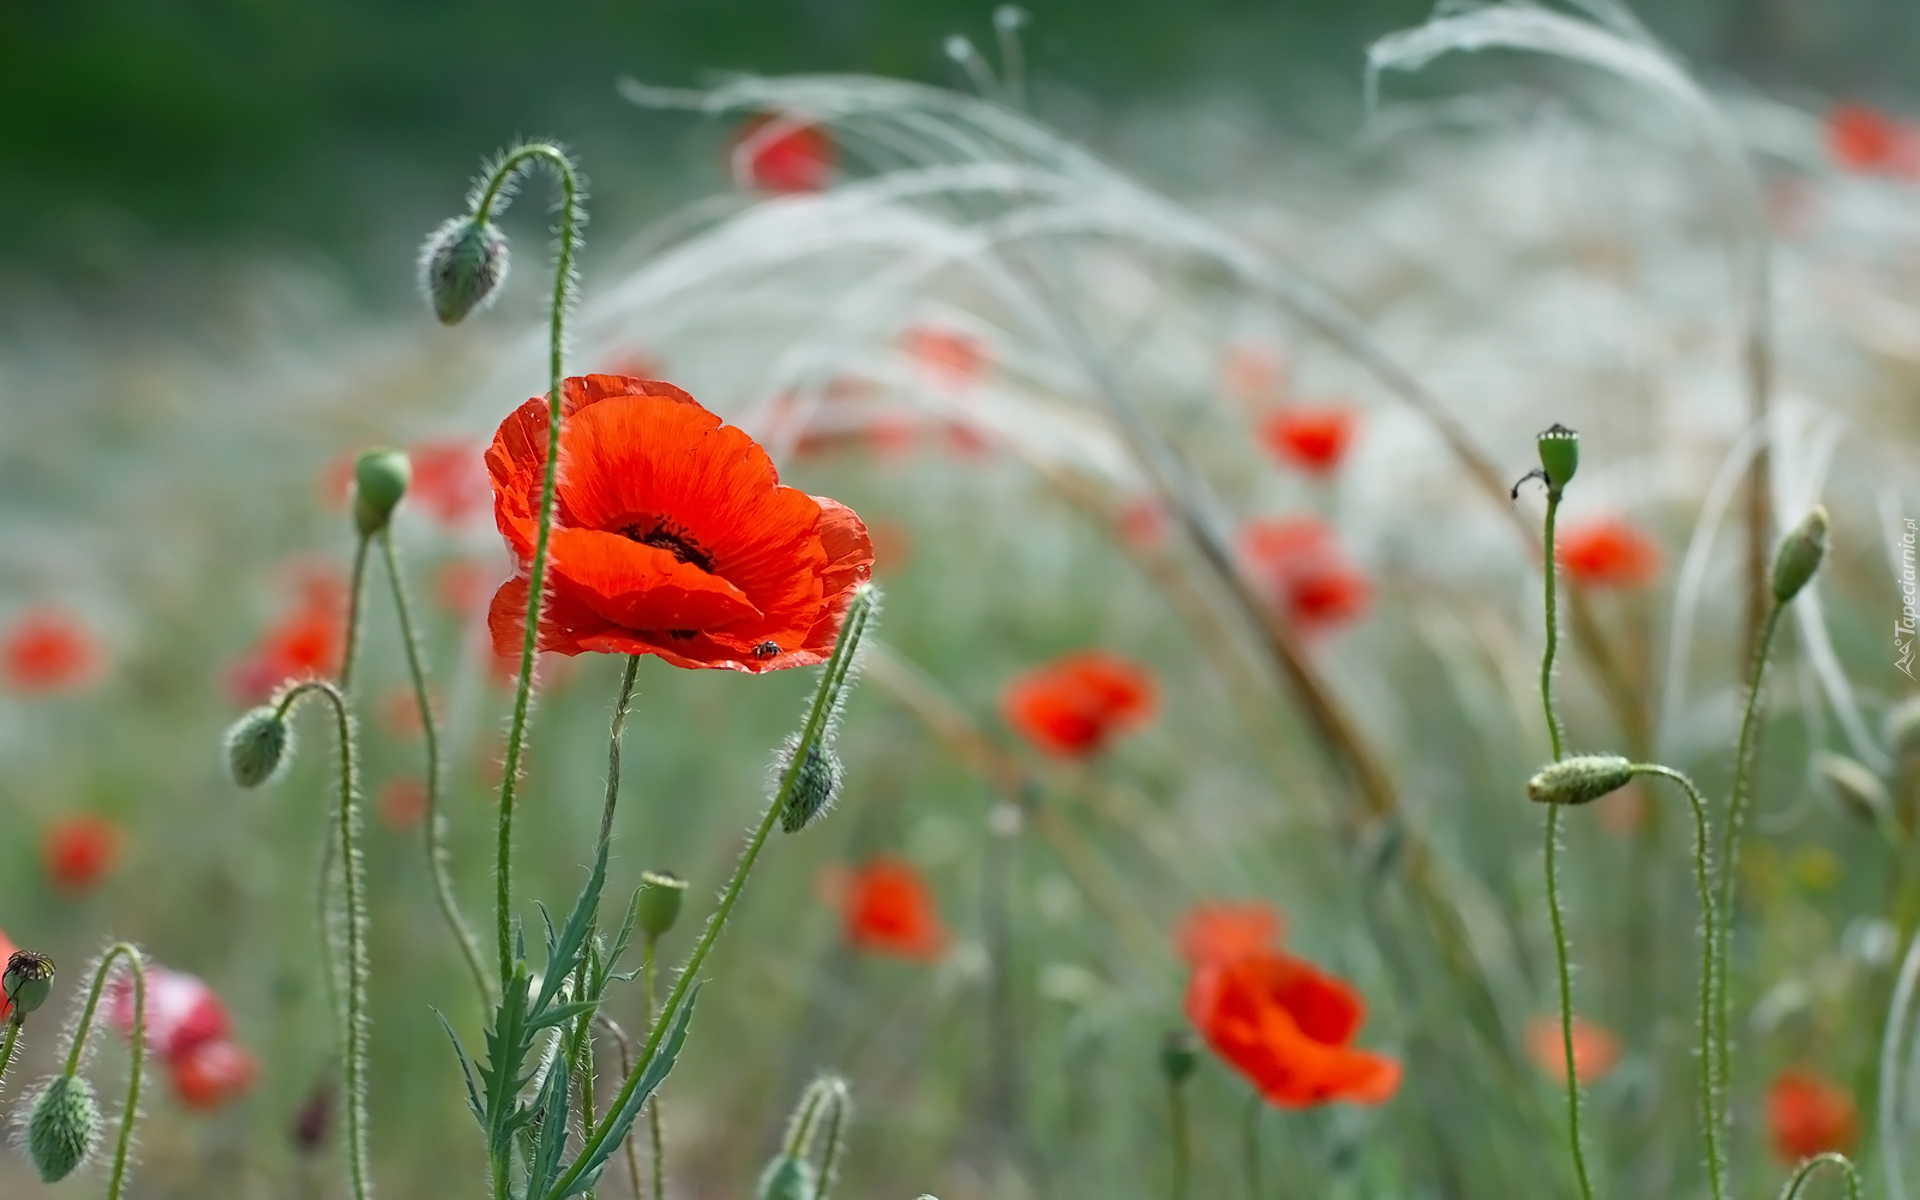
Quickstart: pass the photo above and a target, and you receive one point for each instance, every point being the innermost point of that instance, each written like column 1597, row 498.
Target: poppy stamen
column 672, row 539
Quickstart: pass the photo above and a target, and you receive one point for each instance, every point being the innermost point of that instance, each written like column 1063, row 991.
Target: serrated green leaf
column 550, row 1138
column 563, row 954
column 561, row 1013
column 619, row 1123
column 466, row 1070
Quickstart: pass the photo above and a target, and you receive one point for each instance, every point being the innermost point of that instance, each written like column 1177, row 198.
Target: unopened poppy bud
column 258, row 745
column 1581, row 779
column 64, row 1128
column 660, row 895
column 1800, row 555
column 1902, row 729
column 27, row 982
column 1178, row 1059
column 1559, row 455
column 787, row 1177
column 462, row 266
column 1854, row 789
column 380, row 478
column 815, row 787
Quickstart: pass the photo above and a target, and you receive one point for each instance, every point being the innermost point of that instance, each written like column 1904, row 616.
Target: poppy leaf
column 466, row 1069
column 586, row 1169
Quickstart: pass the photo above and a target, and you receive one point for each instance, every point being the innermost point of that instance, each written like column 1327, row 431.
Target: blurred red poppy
column 463, row 585
column 48, row 650
column 948, row 356
column 1607, row 552
column 1807, row 1115
column 889, row 909
column 1222, row 930
column 1141, row 523
column 1277, row 1020
column 212, row 1073
column 402, row 803
column 182, row 1012
column 1074, row 705
column 672, row 536
column 80, row 850
column 1298, row 563
column 7, row 949
column 1596, row 1051
column 1254, row 374
column 783, row 155
column 307, row 642
column 1314, row 439
column 449, row 480
column 400, row 712
column 1862, row 138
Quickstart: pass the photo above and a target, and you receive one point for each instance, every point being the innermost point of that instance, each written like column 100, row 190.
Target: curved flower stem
column 649, row 976
column 832, row 683
column 323, row 893
column 436, row 825
column 355, row 619
column 1737, row 802
column 1710, row 1079
column 138, row 1050
column 1838, row 1161
column 509, row 167
column 1550, row 570
column 353, row 1014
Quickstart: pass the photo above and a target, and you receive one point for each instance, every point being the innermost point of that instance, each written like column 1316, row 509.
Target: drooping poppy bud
column 1580, row 779
column 1800, row 555
column 660, row 895
column 462, row 266
column 28, row 981
column 1178, row 1058
column 258, row 745
column 1559, row 455
column 63, row 1129
column 380, row 478
column 815, row 787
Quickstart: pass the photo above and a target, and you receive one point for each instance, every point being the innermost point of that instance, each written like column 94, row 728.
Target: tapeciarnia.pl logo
column 1903, row 629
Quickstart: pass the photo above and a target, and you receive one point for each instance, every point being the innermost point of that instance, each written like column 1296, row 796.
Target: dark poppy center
column 663, row 534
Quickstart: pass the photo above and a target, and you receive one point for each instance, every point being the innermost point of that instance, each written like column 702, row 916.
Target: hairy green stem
column 137, row 1051
column 832, row 681
column 505, row 170
column 355, row 597
column 353, row 1012
column 620, row 1039
column 648, row 976
column 1182, row 1144
column 1839, row 1162
column 323, row 896
column 1250, row 1143
column 436, row 823
column 14, row 1022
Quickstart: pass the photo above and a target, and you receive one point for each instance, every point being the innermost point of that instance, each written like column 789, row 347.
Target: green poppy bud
column 258, row 746
column 787, row 1177
column 1853, row 789
column 462, row 266
column 1178, row 1061
column 1559, row 455
column 1581, row 779
column 660, row 895
column 815, row 787
column 27, row 981
column 1800, row 555
column 380, row 478
column 64, row 1128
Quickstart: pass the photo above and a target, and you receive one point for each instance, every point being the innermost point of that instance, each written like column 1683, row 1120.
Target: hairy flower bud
column 380, row 478
column 1178, row 1060
column 1559, row 455
column 660, row 895
column 258, row 746
column 27, row 981
column 462, row 266
column 787, row 1177
column 815, row 787
column 64, row 1128
column 1800, row 555
column 1580, row 780
column 1854, row 789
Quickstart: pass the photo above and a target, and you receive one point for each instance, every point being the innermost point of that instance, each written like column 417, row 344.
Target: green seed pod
column 1800, row 555
column 380, row 478
column 815, row 787
column 1902, row 729
column 660, row 895
column 462, row 266
column 1178, row 1061
column 64, row 1128
column 1581, row 779
column 27, row 981
column 787, row 1177
column 1559, row 455
column 258, row 746
column 1853, row 788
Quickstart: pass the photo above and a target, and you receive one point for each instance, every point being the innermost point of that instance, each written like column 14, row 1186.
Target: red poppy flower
column 212, row 1073
column 1608, row 553
column 7, row 949
column 1596, row 1050
column 1862, row 138
column 783, row 155
column 1072, row 706
column 948, row 356
column 448, row 481
column 1807, row 1115
column 182, row 1013
column 672, row 535
column 1289, row 1029
column 1313, row 439
column 80, row 850
column 403, row 804
column 889, row 910
column 1221, row 931
column 48, row 650
column 1141, row 523
column 1298, row 562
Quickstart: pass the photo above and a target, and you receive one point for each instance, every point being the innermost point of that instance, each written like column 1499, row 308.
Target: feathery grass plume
column 259, row 746
column 62, row 1128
